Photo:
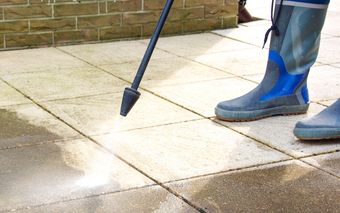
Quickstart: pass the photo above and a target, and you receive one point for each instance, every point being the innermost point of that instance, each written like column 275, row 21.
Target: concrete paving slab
column 203, row 97
column 100, row 114
column 284, row 187
column 331, row 26
column 327, row 162
column 165, row 72
column 10, row 96
column 66, row 83
column 254, row 77
column 238, row 62
column 261, row 10
column 334, row 6
column 324, row 83
column 28, row 124
column 254, row 32
column 248, row 33
column 151, row 199
column 329, row 52
column 336, row 65
column 260, row 13
column 112, row 53
column 199, row 44
column 278, row 132
column 56, row 172
column 328, row 103
column 33, row 60
column 188, row 149
column 260, row 22
column 158, row 137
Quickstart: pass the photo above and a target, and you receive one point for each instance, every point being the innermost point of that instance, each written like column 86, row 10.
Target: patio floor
column 64, row 148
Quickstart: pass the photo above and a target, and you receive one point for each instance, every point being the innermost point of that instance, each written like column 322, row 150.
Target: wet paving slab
column 27, row 124
column 285, row 187
column 50, row 173
column 328, row 162
column 100, row 114
column 189, row 149
column 150, row 199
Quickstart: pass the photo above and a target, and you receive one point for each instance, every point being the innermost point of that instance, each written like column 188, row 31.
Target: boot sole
column 317, row 133
column 243, row 116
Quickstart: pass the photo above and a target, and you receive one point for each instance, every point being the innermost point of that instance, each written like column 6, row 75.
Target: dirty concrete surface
column 63, row 147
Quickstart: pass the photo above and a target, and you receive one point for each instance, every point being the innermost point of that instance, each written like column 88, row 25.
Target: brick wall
column 30, row 23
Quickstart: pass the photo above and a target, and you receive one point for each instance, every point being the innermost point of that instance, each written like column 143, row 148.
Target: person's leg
column 325, row 125
column 293, row 50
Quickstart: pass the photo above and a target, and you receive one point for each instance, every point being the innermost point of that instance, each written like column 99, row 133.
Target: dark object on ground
column 131, row 95
column 243, row 15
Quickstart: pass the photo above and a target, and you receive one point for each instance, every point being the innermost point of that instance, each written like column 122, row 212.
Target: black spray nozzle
column 130, row 97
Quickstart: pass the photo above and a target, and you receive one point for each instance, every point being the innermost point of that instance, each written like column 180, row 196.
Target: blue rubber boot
column 293, row 50
column 325, row 125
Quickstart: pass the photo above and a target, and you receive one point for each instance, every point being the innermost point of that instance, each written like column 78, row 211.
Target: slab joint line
column 109, row 151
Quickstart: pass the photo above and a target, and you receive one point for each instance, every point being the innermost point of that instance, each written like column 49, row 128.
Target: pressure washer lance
column 131, row 95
